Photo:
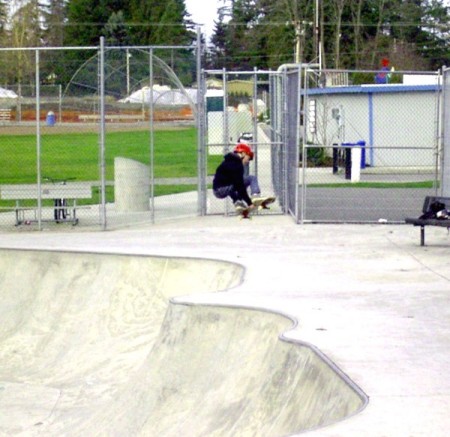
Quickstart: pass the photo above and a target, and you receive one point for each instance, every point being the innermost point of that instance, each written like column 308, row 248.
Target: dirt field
column 176, row 118
column 30, row 128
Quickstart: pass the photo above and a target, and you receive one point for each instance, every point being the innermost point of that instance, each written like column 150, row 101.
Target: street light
column 128, row 72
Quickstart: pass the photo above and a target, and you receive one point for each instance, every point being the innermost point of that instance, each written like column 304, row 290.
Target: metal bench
column 59, row 193
column 422, row 222
column 112, row 117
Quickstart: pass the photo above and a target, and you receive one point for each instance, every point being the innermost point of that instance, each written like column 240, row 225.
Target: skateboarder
column 230, row 179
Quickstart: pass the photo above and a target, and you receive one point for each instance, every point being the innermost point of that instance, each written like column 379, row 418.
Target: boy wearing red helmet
column 230, row 179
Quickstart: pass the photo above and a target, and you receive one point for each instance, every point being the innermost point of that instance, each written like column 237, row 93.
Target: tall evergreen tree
column 116, row 30
column 86, row 20
column 54, row 17
column 241, row 40
column 171, row 28
column 53, row 14
column 126, row 22
column 146, row 22
column 278, row 34
column 155, row 22
column 434, row 43
column 218, row 48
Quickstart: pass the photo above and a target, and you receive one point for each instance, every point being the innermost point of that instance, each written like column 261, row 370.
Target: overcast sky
column 203, row 12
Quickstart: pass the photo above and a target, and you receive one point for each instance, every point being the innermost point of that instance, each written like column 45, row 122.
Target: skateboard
column 260, row 203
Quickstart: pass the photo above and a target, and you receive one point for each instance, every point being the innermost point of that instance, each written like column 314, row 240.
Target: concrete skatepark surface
column 263, row 327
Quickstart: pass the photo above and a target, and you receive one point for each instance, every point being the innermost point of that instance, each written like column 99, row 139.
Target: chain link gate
column 238, row 107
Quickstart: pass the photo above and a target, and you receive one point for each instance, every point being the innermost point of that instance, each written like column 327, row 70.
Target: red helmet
column 244, row 148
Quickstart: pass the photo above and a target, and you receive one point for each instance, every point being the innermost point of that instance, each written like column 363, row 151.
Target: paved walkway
column 368, row 297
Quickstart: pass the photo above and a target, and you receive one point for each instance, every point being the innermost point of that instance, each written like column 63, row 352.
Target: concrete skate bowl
column 92, row 345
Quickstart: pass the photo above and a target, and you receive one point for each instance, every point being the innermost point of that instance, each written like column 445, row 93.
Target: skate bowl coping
column 100, row 344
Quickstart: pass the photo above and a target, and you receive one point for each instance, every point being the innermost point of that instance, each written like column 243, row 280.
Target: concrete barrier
column 132, row 185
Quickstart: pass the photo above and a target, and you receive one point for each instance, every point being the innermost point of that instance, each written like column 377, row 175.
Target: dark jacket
column 231, row 173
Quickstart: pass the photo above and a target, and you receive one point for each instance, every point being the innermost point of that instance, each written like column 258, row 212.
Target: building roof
column 373, row 89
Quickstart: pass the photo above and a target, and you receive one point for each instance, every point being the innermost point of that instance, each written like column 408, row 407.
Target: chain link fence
column 340, row 147
column 116, row 145
column 135, row 135
column 445, row 133
column 369, row 152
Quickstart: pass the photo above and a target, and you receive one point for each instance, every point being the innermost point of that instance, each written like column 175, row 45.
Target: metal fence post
column 38, row 141
column 445, row 132
column 201, row 149
column 152, row 138
column 255, row 117
column 301, row 139
column 102, row 133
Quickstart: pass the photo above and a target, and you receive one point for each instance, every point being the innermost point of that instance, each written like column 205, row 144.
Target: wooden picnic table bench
column 5, row 114
column 112, row 117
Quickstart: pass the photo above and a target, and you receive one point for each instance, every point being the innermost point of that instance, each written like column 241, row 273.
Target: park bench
column 64, row 197
column 433, row 221
column 112, row 117
column 5, row 114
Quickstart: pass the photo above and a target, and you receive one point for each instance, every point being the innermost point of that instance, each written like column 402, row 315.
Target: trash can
column 362, row 145
column 51, row 119
column 355, row 159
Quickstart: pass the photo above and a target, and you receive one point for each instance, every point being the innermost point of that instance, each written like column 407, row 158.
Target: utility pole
column 317, row 44
column 298, row 34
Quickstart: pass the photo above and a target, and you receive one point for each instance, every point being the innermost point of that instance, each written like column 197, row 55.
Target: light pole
column 128, row 72
column 298, row 35
column 317, row 42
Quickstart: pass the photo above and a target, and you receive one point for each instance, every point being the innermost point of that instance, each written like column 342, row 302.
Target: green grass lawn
column 76, row 155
